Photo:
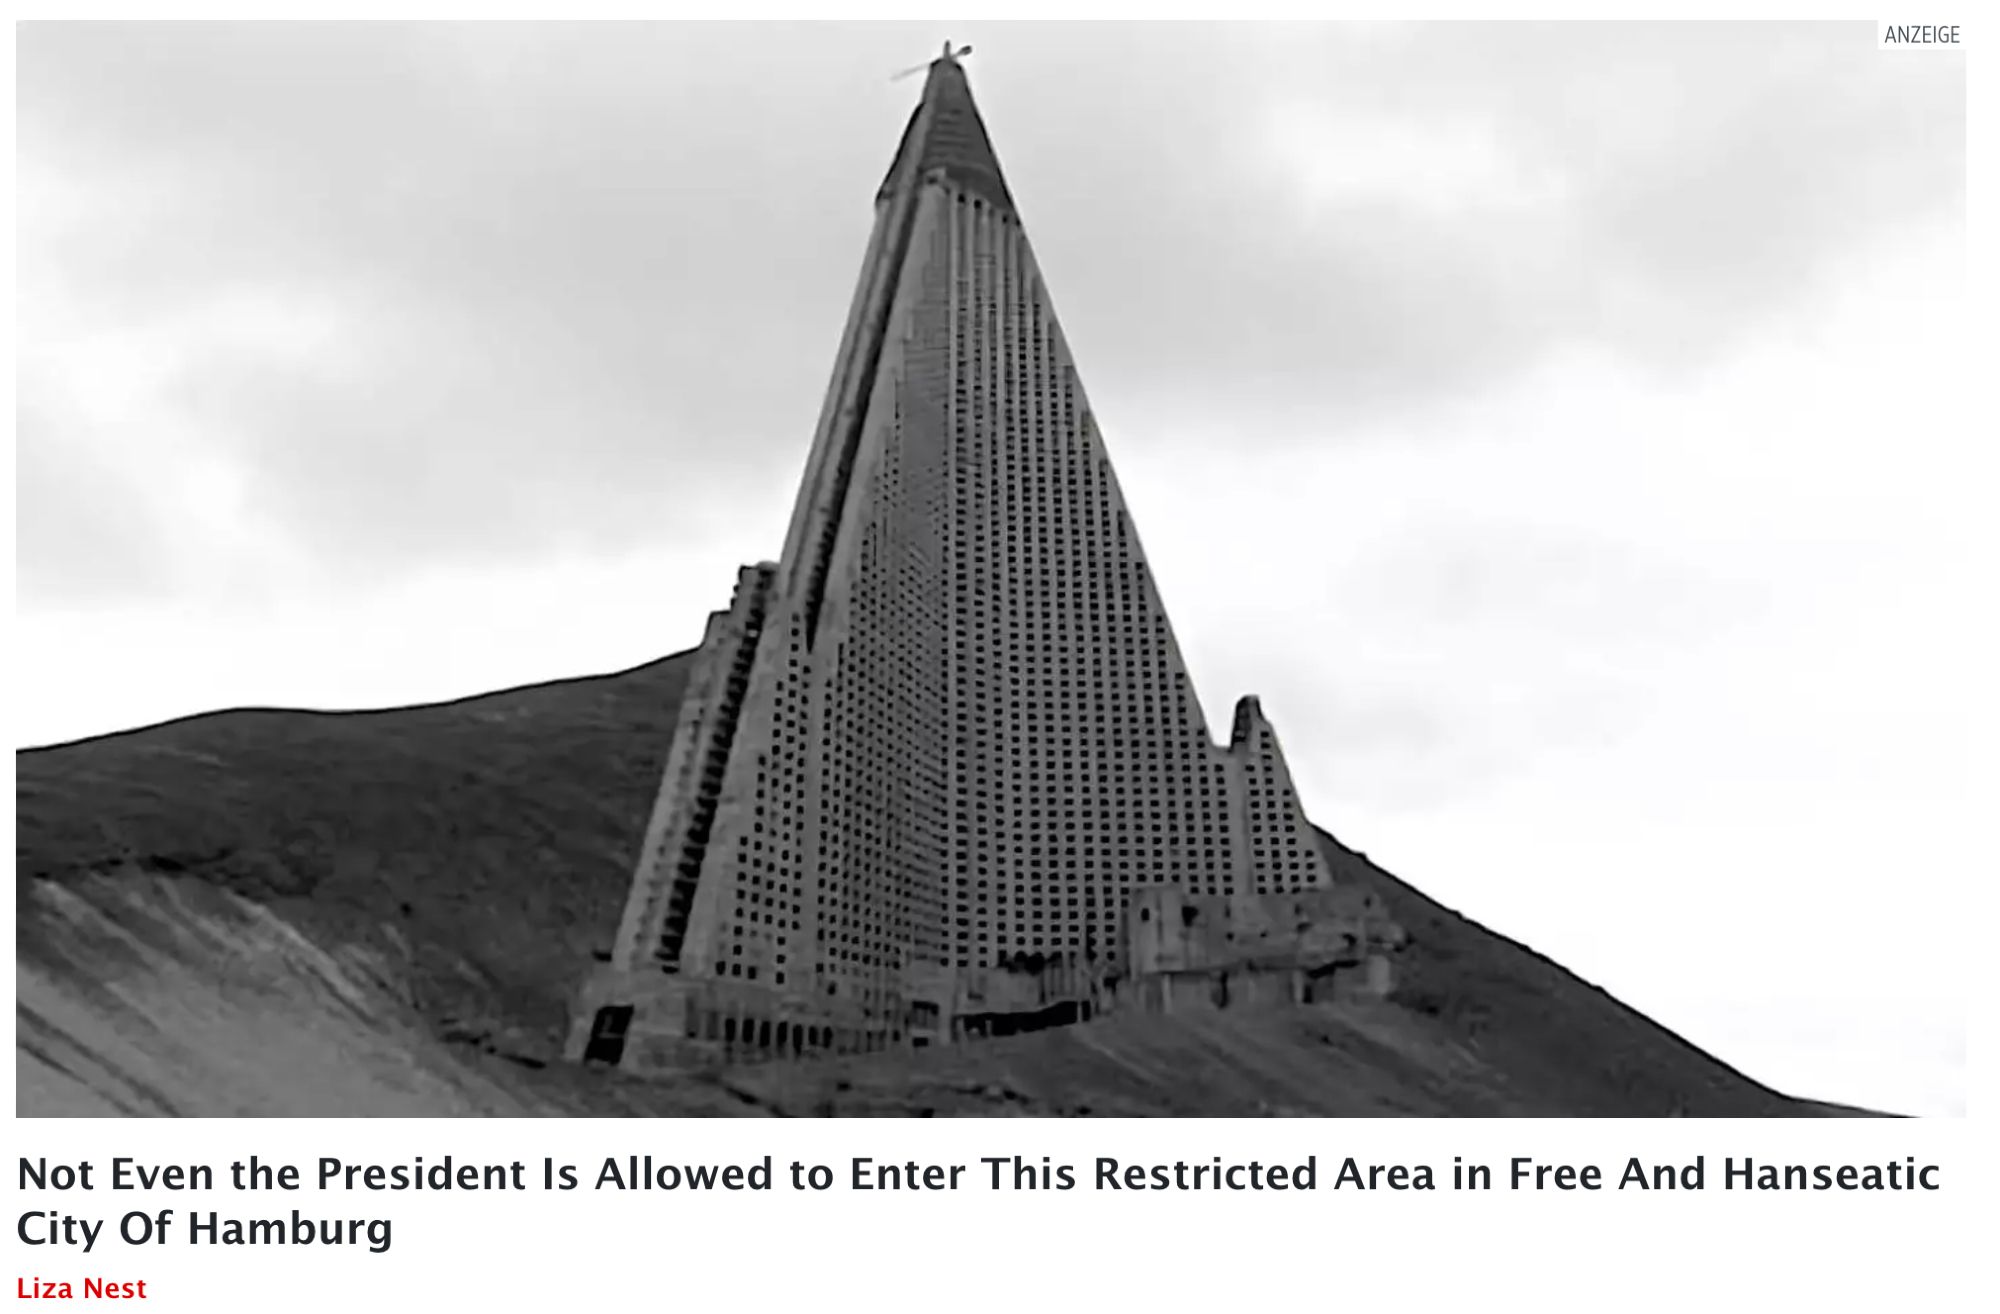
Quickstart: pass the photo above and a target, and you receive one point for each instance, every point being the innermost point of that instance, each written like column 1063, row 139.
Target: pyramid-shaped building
column 938, row 747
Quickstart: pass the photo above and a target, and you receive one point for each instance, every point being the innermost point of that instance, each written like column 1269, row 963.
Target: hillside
column 279, row 912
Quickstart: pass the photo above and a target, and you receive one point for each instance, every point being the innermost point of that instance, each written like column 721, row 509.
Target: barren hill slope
column 270, row 912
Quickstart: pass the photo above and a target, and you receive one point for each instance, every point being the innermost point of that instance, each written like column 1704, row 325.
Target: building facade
column 949, row 729
column 1209, row 951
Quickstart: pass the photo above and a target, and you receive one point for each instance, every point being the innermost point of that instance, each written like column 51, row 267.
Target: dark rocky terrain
column 284, row 912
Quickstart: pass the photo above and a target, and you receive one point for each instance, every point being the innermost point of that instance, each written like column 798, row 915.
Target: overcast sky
column 1548, row 421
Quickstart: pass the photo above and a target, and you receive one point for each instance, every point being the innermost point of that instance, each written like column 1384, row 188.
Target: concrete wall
column 946, row 1002
column 1225, row 951
column 678, row 1021
column 1212, row 989
column 1372, row 978
column 1169, row 929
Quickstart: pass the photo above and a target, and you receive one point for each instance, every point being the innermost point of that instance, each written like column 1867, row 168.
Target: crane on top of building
column 948, row 56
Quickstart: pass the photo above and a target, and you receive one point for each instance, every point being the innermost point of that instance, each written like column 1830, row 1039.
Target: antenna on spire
column 947, row 56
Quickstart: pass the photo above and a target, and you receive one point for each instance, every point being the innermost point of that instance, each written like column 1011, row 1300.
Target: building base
column 649, row 1020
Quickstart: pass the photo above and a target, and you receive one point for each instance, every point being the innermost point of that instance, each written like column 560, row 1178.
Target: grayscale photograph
column 576, row 569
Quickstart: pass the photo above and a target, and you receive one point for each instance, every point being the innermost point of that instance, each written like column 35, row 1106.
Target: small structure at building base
column 1184, row 952
column 1024, row 992
column 1210, row 951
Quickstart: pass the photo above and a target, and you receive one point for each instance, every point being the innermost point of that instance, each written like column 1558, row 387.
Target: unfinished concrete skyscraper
column 950, row 727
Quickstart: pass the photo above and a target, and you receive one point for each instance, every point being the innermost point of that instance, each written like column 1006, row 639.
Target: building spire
column 946, row 136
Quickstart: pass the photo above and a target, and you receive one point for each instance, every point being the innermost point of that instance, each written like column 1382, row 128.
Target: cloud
column 548, row 303
column 86, row 528
column 452, row 294
column 1654, row 191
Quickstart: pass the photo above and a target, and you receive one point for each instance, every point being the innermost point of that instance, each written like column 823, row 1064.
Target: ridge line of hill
column 266, row 709
column 280, row 911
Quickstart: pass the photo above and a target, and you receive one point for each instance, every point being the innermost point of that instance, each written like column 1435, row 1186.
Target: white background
column 1079, row 1250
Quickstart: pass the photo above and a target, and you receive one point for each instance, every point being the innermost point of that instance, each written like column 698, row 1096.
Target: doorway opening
column 607, row 1035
